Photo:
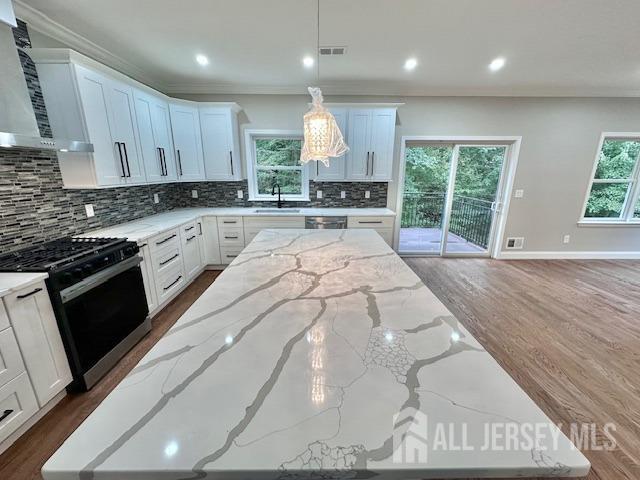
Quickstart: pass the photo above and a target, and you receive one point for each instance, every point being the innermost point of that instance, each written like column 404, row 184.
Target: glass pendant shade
column 322, row 137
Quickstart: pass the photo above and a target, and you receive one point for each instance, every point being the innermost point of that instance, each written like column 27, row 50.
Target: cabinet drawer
column 370, row 222
column 231, row 236
column 228, row 254
column 170, row 282
column 166, row 258
column 167, row 239
column 4, row 318
column 230, row 221
column 17, row 404
column 11, row 364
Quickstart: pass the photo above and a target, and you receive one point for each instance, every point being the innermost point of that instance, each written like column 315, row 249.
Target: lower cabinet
column 17, row 404
column 210, row 243
column 190, row 249
column 382, row 225
column 148, row 278
column 36, row 330
column 253, row 225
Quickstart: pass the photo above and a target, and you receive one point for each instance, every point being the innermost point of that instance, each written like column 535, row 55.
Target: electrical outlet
column 515, row 243
column 319, row 194
column 156, row 198
column 519, row 193
column 194, row 193
column 566, row 239
column 240, row 194
column 89, row 209
column 343, row 194
column 367, row 194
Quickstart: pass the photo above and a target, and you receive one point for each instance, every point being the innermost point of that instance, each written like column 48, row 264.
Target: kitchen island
column 316, row 354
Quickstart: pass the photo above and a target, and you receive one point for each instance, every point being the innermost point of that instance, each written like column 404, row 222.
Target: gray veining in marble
column 293, row 364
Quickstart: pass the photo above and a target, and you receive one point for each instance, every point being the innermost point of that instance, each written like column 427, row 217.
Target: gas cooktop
column 55, row 254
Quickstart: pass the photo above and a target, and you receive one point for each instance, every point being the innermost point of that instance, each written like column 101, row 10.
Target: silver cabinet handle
column 367, row 172
column 230, row 238
column 372, row 221
column 189, row 228
column 126, row 159
column 373, row 159
column 229, row 221
column 231, row 161
column 190, row 238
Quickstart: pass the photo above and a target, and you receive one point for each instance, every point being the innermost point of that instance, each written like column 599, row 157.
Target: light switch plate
column 240, row 194
column 319, row 194
column 519, row 193
column 367, row 194
column 89, row 209
column 343, row 194
column 194, row 193
column 156, row 198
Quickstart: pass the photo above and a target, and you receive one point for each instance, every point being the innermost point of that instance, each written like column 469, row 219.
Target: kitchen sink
column 278, row 210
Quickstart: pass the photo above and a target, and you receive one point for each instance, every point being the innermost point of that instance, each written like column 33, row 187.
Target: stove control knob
column 88, row 268
column 77, row 272
column 129, row 251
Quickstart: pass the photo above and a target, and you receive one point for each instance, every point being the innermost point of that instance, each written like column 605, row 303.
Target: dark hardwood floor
column 567, row 331
column 24, row 459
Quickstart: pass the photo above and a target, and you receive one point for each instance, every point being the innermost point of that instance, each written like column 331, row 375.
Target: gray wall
column 559, row 141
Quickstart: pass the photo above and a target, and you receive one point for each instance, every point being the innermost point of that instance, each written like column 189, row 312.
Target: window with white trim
column 614, row 191
column 273, row 158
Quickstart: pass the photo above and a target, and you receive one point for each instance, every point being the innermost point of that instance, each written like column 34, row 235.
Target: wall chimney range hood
column 18, row 126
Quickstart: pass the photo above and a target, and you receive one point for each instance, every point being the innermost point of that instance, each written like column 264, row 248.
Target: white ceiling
column 551, row 47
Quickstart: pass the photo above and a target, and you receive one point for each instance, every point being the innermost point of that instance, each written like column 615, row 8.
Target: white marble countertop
column 144, row 228
column 292, row 365
column 12, row 281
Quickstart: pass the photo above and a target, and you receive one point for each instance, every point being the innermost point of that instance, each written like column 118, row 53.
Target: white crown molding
column 38, row 21
column 529, row 255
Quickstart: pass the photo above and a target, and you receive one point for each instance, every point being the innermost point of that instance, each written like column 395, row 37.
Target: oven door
column 105, row 315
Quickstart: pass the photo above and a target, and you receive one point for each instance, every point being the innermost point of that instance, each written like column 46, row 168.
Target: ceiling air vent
column 333, row 50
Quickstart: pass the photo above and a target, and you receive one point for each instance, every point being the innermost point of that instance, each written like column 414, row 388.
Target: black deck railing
column 470, row 217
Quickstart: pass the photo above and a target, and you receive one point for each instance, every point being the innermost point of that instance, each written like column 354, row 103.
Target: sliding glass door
column 450, row 198
column 473, row 199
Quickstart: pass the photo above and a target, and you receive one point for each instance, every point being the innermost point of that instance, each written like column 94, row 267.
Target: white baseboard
column 532, row 255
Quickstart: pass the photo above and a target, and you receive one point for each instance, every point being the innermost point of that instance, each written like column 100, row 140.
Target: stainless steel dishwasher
column 325, row 223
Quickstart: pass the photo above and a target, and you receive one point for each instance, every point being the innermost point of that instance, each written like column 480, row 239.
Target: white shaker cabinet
column 220, row 143
column 336, row 171
column 371, row 140
column 211, row 241
column 185, row 125
column 190, row 249
column 36, row 330
column 154, row 127
column 87, row 105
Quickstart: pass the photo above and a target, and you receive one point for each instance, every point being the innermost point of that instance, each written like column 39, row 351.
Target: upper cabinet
column 156, row 144
column 220, row 142
column 336, row 171
column 371, row 137
column 139, row 135
column 87, row 105
column 187, row 141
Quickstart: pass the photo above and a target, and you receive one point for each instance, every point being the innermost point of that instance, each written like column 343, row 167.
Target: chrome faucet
column 273, row 192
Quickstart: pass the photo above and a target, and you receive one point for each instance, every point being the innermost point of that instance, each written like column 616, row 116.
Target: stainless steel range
column 97, row 292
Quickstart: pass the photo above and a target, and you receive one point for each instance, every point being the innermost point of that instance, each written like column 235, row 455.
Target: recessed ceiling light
column 410, row 64
column 202, row 60
column 307, row 62
column 496, row 64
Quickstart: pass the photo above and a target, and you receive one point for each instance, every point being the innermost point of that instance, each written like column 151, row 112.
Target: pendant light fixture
column 322, row 136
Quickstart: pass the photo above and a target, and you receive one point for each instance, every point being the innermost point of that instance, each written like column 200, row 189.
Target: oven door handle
column 74, row 291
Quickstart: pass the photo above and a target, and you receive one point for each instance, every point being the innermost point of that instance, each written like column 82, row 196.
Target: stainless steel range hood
column 18, row 126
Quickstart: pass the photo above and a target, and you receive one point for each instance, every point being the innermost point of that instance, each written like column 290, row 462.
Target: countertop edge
column 19, row 280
